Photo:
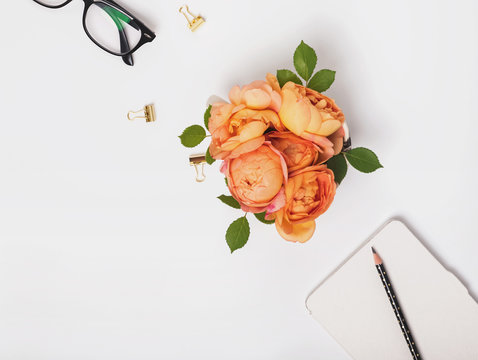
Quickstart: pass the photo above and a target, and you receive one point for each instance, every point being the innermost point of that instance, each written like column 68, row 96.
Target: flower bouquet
column 282, row 149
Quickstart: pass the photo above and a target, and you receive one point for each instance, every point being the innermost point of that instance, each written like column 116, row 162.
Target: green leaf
column 338, row 165
column 322, row 80
column 305, row 60
column 262, row 218
column 363, row 159
column 229, row 200
column 209, row 159
column 207, row 115
column 227, row 183
column 192, row 136
column 286, row 75
column 238, row 233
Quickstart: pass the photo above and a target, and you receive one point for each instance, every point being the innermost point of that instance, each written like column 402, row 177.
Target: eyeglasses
column 110, row 27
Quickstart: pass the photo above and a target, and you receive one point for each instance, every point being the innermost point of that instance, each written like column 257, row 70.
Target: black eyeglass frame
column 147, row 35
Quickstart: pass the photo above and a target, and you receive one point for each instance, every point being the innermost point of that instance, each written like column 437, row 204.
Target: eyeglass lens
column 108, row 25
column 112, row 28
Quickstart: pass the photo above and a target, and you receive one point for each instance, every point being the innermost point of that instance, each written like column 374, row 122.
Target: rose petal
column 329, row 127
column 220, row 113
column 294, row 112
column 257, row 99
column 276, row 102
column 315, row 120
column 296, row 232
column 322, row 141
column 252, row 130
column 235, row 95
column 325, row 155
column 282, row 161
column 246, row 147
column 225, row 167
column 252, row 209
column 337, row 138
column 273, row 82
column 310, row 168
column 256, row 84
column 276, row 204
column 231, row 143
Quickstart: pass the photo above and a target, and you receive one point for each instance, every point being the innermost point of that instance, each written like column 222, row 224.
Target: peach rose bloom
column 238, row 127
column 300, row 153
column 308, row 194
column 255, row 179
column 309, row 114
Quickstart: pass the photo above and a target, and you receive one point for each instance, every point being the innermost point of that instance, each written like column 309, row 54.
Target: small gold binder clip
column 198, row 160
column 148, row 113
column 196, row 22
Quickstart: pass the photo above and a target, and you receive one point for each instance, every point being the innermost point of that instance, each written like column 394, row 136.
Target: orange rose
column 255, row 179
column 238, row 128
column 308, row 194
column 300, row 153
column 308, row 113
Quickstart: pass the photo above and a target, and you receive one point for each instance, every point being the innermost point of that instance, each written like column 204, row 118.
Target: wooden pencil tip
column 376, row 257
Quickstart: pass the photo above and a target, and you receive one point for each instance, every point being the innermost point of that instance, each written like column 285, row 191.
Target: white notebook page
column 352, row 306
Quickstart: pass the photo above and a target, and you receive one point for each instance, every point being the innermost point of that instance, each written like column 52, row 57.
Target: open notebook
column 352, row 306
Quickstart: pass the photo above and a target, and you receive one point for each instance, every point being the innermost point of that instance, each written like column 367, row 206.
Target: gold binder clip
column 196, row 21
column 148, row 113
column 198, row 160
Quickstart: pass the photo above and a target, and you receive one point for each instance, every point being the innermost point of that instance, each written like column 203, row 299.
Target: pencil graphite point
column 373, row 250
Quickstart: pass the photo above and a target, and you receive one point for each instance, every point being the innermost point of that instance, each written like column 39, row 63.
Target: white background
column 108, row 247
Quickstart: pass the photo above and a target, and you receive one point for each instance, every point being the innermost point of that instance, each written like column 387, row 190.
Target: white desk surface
column 110, row 250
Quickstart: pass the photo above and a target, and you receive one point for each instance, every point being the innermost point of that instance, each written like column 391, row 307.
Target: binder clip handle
column 197, row 161
column 148, row 113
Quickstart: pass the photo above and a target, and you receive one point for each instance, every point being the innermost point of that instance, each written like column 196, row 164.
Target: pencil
column 396, row 306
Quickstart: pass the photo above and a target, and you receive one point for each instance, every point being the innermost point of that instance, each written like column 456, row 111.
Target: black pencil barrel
column 398, row 312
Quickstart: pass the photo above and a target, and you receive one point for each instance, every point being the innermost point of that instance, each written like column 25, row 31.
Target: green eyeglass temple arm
column 118, row 17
